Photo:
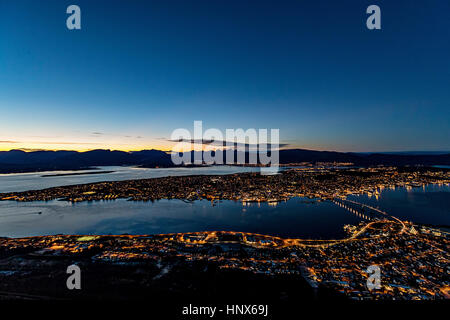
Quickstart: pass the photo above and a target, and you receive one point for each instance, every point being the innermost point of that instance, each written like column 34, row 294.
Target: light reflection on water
column 294, row 218
column 429, row 204
column 33, row 181
column 298, row 217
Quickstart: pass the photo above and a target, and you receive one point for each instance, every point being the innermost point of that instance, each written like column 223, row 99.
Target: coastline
column 75, row 174
column 337, row 267
column 245, row 187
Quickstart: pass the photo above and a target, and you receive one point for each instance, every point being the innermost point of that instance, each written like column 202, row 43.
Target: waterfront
column 322, row 227
column 243, row 202
column 429, row 204
column 413, row 264
column 298, row 217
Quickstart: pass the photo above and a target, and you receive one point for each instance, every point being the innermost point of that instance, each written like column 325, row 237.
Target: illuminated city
column 210, row 159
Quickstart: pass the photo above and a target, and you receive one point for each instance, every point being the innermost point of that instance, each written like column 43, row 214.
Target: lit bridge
column 365, row 211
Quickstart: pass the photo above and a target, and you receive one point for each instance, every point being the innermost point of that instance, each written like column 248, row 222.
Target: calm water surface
column 429, row 205
column 34, row 181
column 294, row 218
column 297, row 217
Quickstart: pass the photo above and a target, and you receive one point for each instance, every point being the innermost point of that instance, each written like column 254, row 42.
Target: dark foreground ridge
column 213, row 266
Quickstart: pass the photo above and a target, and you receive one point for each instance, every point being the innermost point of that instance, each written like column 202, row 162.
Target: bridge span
column 366, row 211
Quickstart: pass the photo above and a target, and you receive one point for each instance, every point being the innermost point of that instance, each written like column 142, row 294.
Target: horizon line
column 30, row 150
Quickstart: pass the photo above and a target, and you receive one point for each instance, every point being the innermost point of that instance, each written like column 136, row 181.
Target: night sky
column 137, row 70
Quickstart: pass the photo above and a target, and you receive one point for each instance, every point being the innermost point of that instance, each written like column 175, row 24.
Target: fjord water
column 297, row 217
column 427, row 205
column 294, row 218
column 17, row 182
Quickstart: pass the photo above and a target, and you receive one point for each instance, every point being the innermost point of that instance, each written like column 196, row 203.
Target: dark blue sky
column 137, row 70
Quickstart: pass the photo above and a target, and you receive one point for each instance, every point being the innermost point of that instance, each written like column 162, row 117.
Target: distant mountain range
column 21, row 161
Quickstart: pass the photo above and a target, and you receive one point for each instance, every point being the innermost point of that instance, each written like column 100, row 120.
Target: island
column 319, row 183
